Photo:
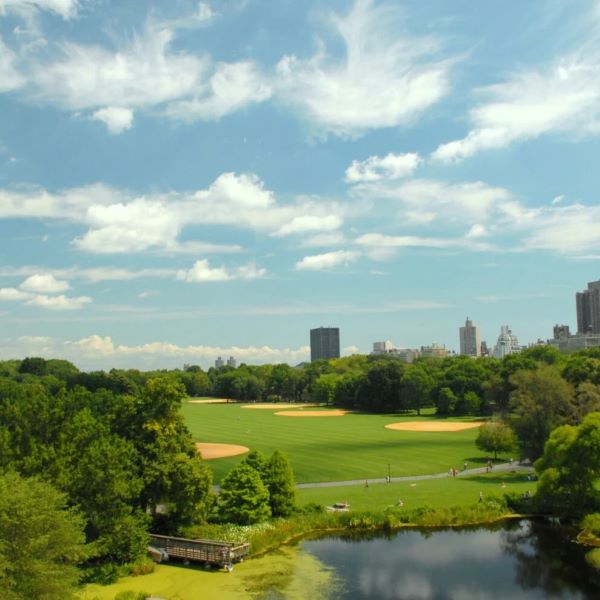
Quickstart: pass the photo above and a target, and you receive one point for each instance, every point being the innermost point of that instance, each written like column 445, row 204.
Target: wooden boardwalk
column 211, row 552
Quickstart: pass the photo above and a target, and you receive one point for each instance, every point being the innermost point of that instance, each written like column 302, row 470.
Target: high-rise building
column 324, row 343
column 434, row 350
column 588, row 309
column 219, row 362
column 470, row 339
column 507, row 343
column 231, row 362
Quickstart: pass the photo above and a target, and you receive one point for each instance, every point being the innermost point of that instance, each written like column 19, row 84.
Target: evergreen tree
column 244, row 498
column 282, row 488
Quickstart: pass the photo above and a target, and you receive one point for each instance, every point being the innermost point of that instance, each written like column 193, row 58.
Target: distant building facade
column 470, row 339
column 588, row 309
column 382, row 347
column 507, row 343
column 324, row 343
column 434, row 351
column 231, row 362
column 219, row 362
column 565, row 342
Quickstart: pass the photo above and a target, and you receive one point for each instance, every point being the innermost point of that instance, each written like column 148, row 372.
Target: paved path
column 503, row 467
column 500, row 467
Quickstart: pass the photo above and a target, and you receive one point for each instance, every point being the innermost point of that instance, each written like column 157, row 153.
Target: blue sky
column 185, row 179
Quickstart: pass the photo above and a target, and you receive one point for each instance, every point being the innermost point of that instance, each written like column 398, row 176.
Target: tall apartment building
column 324, row 343
column 219, row 362
column 470, row 339
column 507, row 343
column 382, row 347
column 231, row 362
column 588, row 309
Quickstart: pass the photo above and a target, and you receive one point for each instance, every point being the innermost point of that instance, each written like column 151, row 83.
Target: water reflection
column 519, row 560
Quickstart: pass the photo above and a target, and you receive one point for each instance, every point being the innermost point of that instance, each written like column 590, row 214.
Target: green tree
column 41, row 541
column 495, row 437
column 281, row 485
column 446, row 401
column 258, row 461
column 541, row 400
column 569, row 469
column 243, row 498
column 416, row 387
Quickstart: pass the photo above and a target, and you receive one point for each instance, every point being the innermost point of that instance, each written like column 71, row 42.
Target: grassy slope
column 355, row 446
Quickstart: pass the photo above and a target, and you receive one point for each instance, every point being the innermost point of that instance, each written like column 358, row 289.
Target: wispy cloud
column 328, row 260
column 387, row 77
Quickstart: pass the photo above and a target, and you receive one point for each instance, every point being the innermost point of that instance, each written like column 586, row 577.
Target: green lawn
column 437, row 493
column 355, row 446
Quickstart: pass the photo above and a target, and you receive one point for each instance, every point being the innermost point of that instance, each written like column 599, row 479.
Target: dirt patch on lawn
column 210, row 401
column 212, row 451
column 312, row 413
column 277, row 406
column 432, row 426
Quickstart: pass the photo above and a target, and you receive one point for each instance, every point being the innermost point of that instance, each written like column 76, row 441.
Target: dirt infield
column 312, row 413
column 432, row 426
column 276, row 406
column 210, row 401
column 212, row 451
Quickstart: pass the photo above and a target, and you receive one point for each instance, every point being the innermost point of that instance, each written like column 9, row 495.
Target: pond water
column 516, row 560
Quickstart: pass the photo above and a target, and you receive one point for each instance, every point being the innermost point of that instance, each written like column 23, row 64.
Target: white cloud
column 13, row 294
column 231, row 87
column 58, row 302
column 202, row 272
column 143, row 73
column 391, row 166
column 477, row 231
column 97, row 346
column 328, row 260
column 309, row 223
column 44, row 283
column 563, row 98
column 386, row 78
column 424, row 202
column 558, row 199
column 116, row 118
column 67, row 9
column 10, row 78
column 119, row 222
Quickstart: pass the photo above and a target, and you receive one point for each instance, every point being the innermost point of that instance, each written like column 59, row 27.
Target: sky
column 181, row 179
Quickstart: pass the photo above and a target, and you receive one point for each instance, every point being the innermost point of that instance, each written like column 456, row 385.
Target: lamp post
column 389, row 473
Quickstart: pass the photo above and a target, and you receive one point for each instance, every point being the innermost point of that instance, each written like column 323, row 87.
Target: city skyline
column 201, row 179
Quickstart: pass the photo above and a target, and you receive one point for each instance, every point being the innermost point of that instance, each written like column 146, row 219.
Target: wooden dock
column 211, row 552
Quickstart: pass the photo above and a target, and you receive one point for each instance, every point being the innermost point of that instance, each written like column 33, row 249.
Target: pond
column 515, row 560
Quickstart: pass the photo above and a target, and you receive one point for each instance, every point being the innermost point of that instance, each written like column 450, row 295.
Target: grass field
column 354, row 446
column 437, row 493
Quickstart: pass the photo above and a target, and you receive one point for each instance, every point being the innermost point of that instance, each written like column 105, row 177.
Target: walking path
column 479, row 470
column 501, row 467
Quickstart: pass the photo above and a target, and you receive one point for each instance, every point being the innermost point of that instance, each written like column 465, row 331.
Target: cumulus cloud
column 58, row 302
column 119, row 222
column 44, row 283
column 563, row 98
column 391, row 166
column 13, row 294
column 318, row 262
column 116, row 118
column 202, row 272
column 386, row 78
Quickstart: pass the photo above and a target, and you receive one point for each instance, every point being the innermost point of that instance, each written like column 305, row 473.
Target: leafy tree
column 41, row 541
column 541, row 400
column 380, row 390
column 446, row 401
column 325, row 388
column 569, row 469
column 417, row 384
column 281, row 485
column 33, row 365
column 587, row 400
column 243, row 498
column 495, row 437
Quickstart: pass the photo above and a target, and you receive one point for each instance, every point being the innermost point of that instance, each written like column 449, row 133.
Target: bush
column 131, row 595
column 591, row 523
column 104, row 574
column 142, row 567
